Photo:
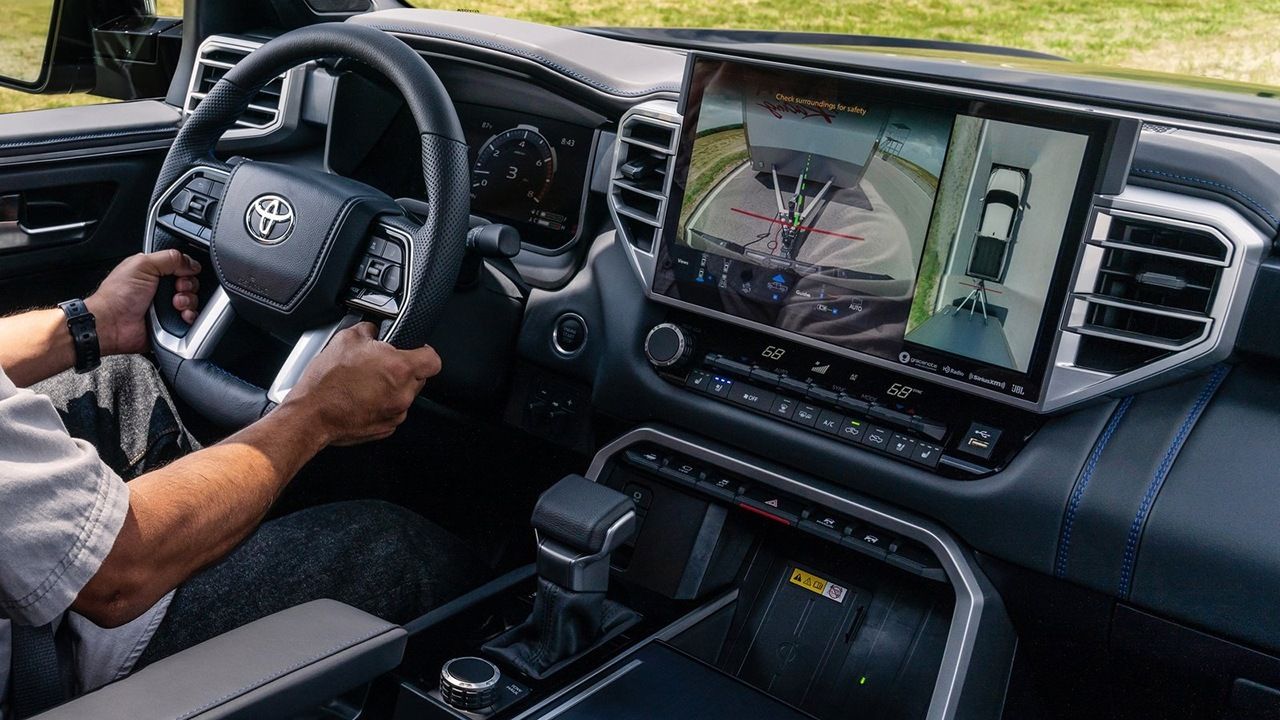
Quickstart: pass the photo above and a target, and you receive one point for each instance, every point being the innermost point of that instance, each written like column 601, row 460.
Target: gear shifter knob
column 579, row 524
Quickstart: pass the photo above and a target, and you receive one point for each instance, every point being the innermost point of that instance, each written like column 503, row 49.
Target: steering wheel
column 294, row 249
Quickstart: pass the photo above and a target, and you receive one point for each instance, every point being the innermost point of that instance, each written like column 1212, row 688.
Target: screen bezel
column 1100, row 130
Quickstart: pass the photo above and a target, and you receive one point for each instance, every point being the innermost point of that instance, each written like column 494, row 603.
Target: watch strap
column 84, row 334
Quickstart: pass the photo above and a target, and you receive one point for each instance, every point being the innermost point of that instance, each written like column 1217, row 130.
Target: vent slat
column 216, row 58
column 640, row 180
column 1152, row 295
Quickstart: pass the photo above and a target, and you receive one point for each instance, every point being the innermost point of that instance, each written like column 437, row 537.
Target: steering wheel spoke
column 188, row 208
column 204, row 334
column 379, row 284
column 304, row 351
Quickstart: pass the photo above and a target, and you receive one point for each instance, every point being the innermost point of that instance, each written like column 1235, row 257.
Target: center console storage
column 752, row 592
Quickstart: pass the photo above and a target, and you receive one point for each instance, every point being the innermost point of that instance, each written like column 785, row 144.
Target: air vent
column 218, row 55
column 641, row 179
column 1150, row 294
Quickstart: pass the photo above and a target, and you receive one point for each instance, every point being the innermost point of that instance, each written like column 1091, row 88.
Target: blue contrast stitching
column 1257, row 205
column 85, row 136
column 1077, row 495
column 518, row 52
column 1162, row 472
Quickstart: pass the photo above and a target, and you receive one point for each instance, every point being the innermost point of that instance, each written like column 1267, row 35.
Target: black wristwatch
column 84, row 333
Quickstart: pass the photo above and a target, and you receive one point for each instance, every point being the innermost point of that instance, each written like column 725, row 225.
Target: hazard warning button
column 770, row 502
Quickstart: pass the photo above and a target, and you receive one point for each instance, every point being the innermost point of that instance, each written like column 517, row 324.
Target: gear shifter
column 579, row 524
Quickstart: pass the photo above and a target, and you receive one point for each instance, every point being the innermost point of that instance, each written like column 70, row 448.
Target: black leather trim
column 1119, row 481
column 221, row 397
column 578, row 513
column 1209, row 552
column 89, row 126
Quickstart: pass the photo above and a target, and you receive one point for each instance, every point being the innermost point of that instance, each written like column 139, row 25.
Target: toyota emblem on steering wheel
column 270, row 219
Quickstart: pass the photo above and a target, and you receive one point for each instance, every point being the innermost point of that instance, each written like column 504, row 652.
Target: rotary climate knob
column 667, row 345
column 469, row 683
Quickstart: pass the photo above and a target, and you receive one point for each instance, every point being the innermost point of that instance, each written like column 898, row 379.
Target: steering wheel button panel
column 391, row 279
column 392, row 252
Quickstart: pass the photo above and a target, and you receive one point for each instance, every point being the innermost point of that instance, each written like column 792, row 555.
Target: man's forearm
column 35, row 345
column 194, row 511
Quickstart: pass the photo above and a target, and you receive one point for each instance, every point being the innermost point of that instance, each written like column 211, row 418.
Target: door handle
column 15, row 235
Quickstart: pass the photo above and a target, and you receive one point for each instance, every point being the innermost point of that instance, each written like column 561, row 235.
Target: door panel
column 74, row 201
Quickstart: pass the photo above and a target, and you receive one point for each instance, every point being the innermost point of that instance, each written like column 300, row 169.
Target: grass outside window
column 1222, row 39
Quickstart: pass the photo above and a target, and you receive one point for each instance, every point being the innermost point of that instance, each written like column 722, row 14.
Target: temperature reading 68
column 902, row 392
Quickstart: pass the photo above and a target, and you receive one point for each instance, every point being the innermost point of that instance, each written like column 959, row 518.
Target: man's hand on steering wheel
column 120, row 304
column 359, row 388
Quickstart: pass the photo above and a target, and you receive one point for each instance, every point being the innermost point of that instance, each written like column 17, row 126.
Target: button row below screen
column 851, row 429
column 765, row 502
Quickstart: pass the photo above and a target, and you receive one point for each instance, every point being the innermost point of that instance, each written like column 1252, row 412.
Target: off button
column 752, row 397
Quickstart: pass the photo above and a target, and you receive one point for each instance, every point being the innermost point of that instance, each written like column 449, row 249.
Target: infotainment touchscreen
column 918, row 228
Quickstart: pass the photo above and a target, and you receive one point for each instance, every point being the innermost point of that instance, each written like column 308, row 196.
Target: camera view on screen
column 807, row 206
column 912, row 233
column 997, row 226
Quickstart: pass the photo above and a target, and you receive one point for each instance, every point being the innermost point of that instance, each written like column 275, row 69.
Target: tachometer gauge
column 515, row 166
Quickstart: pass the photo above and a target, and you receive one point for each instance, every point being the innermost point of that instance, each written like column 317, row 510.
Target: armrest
column 284, row 663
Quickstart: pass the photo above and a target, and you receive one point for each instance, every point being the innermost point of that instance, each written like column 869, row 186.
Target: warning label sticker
column 813, row 583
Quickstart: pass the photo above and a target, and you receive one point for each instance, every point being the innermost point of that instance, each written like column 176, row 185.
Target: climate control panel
column 864, row 406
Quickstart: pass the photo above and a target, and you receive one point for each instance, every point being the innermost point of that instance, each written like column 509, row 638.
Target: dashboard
column 1031, row 301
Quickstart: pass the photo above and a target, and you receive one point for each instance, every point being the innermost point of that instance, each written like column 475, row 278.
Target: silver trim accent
column 310, row 344
column 658, row 113
column 48, row 229
column 196, row 344
column 966, row 617
column 470, row 686
column 1065, row 383
column 238, row 44
column 682, row 345
column 204, row 334
column 555, row 342
column 584, row 573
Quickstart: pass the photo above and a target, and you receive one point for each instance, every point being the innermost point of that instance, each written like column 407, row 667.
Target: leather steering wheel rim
column 434, row 254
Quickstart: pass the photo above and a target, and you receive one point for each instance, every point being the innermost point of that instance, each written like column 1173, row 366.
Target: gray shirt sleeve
column 61, row 509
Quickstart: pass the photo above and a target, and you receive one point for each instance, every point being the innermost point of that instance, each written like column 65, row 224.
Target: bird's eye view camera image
column 816, row 205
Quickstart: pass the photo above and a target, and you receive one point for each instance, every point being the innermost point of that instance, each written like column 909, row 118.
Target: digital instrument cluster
column 527, row 171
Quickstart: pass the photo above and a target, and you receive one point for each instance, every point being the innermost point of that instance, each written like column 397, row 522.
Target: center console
column 748, row 588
